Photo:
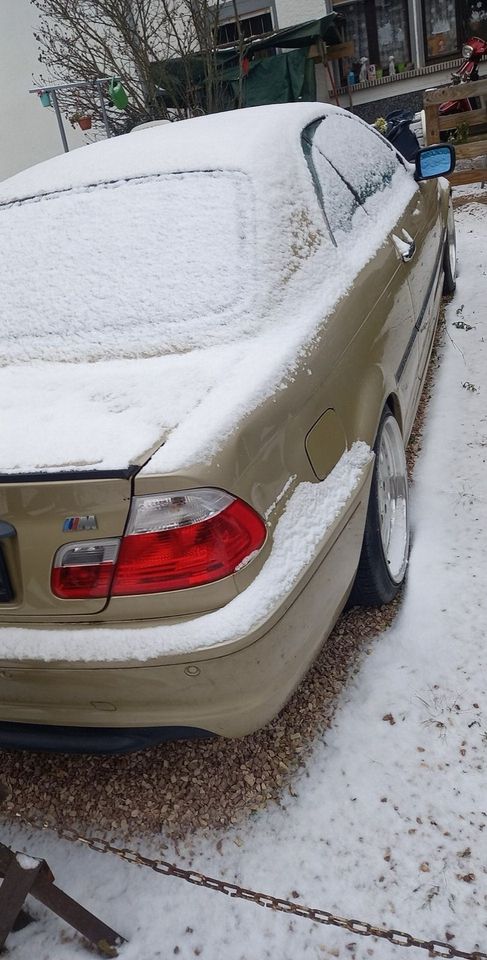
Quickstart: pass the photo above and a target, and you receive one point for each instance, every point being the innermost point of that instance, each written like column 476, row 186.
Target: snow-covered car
column 214, row 337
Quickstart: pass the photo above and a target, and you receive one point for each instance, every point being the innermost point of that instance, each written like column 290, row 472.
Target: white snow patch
column 280, row 495
column 27, row 863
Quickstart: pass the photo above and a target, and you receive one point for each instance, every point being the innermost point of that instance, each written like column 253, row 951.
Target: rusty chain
column 435, row 948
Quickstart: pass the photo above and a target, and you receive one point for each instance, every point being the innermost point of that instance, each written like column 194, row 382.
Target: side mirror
column 436, row 161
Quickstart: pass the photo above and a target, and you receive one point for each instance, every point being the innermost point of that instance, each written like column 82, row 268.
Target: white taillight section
column 154, row 514
column 87, row 553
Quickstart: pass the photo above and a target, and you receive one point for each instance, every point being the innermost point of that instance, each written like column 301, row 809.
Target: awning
column 305, row 34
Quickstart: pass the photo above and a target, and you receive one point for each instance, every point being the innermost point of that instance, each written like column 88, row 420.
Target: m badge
column 80, row 523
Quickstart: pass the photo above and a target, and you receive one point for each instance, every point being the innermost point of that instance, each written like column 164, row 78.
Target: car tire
column 450, row 254
column 385, row 549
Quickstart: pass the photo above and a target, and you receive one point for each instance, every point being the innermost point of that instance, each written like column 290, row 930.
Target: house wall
column 29, row 132
column 290, row 12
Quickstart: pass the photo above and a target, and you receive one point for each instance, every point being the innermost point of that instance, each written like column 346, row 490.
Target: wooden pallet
column 473, row 118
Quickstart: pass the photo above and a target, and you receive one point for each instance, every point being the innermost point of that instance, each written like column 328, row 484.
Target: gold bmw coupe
column 214, row 338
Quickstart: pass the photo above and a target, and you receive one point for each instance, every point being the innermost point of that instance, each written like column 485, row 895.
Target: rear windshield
column 133, row 268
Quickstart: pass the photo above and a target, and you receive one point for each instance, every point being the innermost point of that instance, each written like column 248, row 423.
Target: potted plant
column 82, row 119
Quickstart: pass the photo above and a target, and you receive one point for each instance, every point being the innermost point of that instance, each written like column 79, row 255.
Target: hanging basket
column 84, row 123
column 45, row 98
column 117, row 94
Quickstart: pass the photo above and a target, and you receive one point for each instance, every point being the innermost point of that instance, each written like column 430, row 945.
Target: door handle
column 406, row 248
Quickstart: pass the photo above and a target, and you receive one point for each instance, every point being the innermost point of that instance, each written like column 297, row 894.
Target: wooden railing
column 435, row 124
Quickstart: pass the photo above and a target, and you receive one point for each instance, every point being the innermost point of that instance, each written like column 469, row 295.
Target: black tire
column 375, row 584
column 449, row 255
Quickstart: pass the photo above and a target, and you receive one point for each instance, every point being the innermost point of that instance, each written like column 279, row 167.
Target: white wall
column 290, row 12
column 28, row 131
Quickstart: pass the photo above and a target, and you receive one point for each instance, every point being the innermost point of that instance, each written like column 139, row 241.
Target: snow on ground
column 387, row 822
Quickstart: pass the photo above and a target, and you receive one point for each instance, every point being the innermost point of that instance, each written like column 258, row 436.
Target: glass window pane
column 392, row 31
column 363, row 159
column 354, row 27
column 475, row 19
column 441, row 28
column 338, row 201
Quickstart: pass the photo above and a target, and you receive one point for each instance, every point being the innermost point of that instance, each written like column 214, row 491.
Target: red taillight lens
column 85, row 570
column 81, row 583
column 188, row 556
column 172, row 541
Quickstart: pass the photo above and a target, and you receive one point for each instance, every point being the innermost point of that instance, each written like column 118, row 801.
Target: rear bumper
column 230, row 690
column 90, row 740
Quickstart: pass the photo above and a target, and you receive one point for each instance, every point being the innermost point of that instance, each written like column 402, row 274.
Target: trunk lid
column 45, row 513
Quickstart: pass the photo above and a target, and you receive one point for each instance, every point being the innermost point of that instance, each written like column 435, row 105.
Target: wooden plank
column 453, row 120
column 77, row 916
column 431, row 122
column 335, row 52
column 17, row 884
column 467, row 176
column 340, row 50
column 455, row 91
column 477, row 148
column 6, row 857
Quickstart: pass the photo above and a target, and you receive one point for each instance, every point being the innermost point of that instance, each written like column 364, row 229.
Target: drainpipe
column 416, row 32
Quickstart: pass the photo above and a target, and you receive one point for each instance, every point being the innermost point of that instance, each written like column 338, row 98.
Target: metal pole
column 59, row 120
column 76, row 85
column 104, row 114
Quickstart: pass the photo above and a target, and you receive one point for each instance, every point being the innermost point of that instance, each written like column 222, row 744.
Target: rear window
column 134, row 268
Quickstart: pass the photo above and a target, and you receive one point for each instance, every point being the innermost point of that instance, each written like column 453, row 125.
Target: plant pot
column 45, row 99
column 84, row 123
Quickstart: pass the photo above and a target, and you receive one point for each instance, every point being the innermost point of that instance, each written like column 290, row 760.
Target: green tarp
column 281, row 79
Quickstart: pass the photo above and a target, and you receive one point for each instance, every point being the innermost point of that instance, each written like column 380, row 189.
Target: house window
column 475, row 20
column 379, row 29
column 253, row 26
column 392, row 32
column 441, row 29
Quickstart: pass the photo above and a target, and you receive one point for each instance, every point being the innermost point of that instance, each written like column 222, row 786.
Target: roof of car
column 251, row 140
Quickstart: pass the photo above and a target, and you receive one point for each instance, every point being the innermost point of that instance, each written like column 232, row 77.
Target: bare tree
column 88, row 39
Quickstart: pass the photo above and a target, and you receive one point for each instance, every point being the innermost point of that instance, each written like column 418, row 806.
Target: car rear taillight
column 172, row 541
column 84, row 570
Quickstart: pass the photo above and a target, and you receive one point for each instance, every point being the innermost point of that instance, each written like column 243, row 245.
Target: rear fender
column 369, row 403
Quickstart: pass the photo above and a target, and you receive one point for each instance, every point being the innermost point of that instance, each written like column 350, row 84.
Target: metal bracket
column 24, row 875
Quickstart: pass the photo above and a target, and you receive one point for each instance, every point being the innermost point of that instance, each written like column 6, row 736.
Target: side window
column 338, row 201
column 341, row 207
column 363, row 159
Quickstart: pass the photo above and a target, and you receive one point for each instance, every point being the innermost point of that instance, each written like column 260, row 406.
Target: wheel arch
column 374, row 396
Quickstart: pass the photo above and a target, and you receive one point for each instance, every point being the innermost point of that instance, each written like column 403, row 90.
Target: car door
column 417, row 237
column 388, row 294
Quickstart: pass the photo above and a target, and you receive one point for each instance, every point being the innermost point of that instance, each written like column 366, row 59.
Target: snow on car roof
column 256, row 140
